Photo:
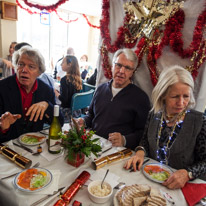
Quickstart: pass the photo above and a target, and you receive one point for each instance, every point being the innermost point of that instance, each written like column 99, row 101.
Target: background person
column 179, row 140
column 119, row 109
column 58, row 72
column 85, row 68
column 6, row 64
column 69, row 85
column 26, row 103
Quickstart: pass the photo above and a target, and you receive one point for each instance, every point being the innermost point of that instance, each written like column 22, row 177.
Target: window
column 53, row 39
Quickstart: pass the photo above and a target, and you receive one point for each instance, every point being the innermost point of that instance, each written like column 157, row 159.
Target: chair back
column 81, row 100
column 87, row 87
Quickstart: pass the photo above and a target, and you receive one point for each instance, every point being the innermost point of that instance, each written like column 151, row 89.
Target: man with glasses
column 119, row 109
column 26, row 103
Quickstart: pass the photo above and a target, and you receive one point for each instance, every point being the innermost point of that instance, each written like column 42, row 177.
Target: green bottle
column 54, row 138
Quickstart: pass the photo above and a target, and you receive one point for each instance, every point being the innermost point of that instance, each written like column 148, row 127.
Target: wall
column 7, row 34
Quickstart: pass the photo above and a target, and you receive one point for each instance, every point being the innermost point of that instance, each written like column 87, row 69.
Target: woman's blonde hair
column 73, row 74
column 167, row 78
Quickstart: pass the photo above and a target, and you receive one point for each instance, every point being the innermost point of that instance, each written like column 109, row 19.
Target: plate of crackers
column 140, row 195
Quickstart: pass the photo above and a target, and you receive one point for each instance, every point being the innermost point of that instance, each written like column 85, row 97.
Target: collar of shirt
column 26, row 98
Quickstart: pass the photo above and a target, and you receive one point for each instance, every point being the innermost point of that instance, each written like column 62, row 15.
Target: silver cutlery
column 46, row 197
column 132, row 169
column 100, row 153
column 36, row 165
column 104, row 178
column 24, row 147
column 120, row 185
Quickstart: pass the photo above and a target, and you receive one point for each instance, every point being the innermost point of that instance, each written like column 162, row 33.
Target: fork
column 36, row 165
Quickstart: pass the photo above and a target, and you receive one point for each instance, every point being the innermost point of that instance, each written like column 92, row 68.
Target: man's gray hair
column 130, row 55
column 167, row 78
column 33, row 54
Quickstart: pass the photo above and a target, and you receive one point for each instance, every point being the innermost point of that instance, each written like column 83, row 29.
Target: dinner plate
column 156, row 172
column 116, row 203
column 41, row 175
column 31, row 139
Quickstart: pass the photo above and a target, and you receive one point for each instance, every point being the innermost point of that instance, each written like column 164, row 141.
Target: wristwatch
column 190, row 175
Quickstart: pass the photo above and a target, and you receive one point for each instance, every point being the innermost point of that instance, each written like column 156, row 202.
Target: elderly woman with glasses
column 70, row 84
column 26, row 103
column 175, row 134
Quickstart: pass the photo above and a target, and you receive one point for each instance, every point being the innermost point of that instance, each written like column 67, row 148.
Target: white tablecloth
column 10, row 196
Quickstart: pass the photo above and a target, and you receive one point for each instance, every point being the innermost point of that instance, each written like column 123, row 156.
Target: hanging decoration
column 66, row 21
column 148, row 15
column 91, row 25
column 49, row 8
column 26, row 9
column 53, row 9
column 153, row 40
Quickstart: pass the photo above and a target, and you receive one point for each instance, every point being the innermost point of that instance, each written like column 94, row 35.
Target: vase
column 76, row 159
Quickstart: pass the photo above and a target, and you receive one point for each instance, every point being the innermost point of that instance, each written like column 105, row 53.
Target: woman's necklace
column 165, row 148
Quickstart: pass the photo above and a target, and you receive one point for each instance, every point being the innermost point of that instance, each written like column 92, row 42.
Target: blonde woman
column 70, row 84
column 174, row 133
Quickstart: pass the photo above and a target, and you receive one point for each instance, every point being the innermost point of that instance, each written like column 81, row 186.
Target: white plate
column 162, row 167
column 32, row 134
column 48, row 181
column 116, row 203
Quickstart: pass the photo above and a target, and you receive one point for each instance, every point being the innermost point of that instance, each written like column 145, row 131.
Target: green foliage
column 80, row 140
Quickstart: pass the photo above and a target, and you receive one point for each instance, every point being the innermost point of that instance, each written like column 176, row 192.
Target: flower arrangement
column 79, row 140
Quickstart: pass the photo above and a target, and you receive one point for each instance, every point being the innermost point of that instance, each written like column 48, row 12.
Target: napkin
column 193, row 193
column 111, row 178
column 45, row 153
column 54, row 185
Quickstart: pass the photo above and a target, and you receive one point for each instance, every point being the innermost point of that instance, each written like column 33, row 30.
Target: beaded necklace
column 166, row 148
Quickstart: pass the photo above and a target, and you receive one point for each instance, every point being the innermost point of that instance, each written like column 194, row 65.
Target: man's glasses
column 119, row 66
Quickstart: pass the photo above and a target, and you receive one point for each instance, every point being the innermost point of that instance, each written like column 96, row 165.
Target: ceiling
column 88, row 7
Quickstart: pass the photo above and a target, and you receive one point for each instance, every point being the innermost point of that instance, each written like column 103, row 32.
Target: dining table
column 12, row 196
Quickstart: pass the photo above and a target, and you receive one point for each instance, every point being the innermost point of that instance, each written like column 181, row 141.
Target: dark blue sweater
column 125, row 113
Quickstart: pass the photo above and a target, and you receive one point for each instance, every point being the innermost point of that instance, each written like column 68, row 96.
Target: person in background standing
column 71, row 83
column 85, row 68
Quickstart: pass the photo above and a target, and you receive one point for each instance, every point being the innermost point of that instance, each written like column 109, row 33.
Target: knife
column 132, row 169
column 46, row 197
column 23, row 147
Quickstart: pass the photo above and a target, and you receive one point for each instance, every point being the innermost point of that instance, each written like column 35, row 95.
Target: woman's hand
column 177, row 180
column 138, row 157
column 7, row 119
column 37, row 111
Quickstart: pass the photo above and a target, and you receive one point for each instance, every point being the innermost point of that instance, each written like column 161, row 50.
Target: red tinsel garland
column 28, row 10
column 172, row 36
column 66, row 20
column 48, row 8
column 91, row 25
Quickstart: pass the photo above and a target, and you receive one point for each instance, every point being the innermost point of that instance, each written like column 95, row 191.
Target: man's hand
column 56, row 93
column 7, row 119
column 117, row 139
column 177, row 180
column 80, row 122
column 37, row 111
